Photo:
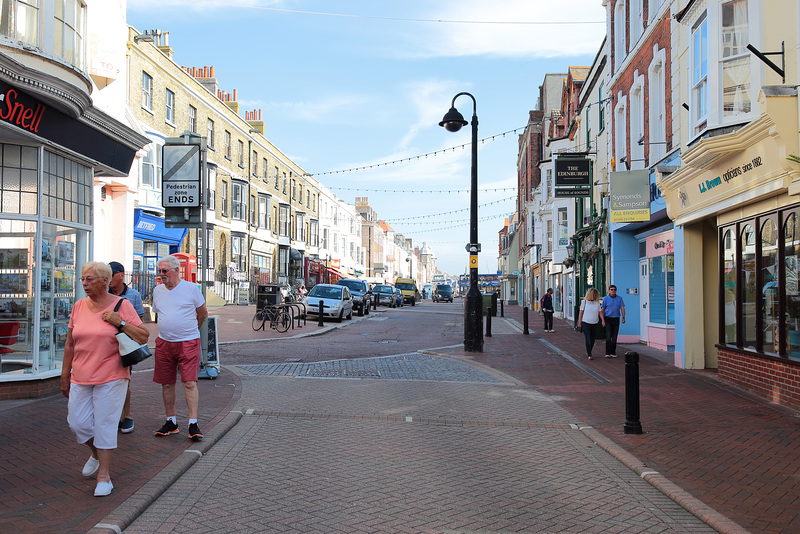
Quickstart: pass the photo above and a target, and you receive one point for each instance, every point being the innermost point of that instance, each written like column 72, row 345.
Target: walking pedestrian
column 180, row 311
column 591, row 313
column 614, row 312
column 92, row 375
column 117, row 286
column 547, row 310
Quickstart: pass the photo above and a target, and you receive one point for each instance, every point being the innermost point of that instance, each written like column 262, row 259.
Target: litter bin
column 490, row 301
column 268, row 295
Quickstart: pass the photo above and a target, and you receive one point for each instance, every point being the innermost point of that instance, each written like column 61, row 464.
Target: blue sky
column 349, row 84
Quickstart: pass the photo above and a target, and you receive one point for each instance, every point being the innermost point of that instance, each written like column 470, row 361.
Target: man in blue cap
column 117, row 286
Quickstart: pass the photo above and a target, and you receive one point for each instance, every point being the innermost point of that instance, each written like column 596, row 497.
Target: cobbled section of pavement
column 474, row 470
column 413, row 366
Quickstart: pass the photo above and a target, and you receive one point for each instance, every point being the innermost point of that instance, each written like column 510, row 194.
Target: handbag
column 131, row 351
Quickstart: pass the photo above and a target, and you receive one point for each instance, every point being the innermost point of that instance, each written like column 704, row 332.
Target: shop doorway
column 644, row 299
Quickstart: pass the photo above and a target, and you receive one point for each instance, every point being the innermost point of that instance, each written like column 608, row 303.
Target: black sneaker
column 126, row 425
column 194, row 432
column 168, row 428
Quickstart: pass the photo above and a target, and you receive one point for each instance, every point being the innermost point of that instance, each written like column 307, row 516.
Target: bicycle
column 279, row 319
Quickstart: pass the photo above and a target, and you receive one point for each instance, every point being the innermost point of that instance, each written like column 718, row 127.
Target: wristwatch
column 122, row 323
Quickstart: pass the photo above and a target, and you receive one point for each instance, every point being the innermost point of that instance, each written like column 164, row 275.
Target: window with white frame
column 224, row 198
column 601, row 108
column 169, row 105
column 300, row 227
column 227, row 144
column 147, row 91
column 657, row 94
column 20, row 21
column 68, row 31
column 238, row 201
column 264, row 170
column 637, row 20
column 313, row 230
column 151, row 167
column 255, row 163
column 253, row 211
column 210, row 134
column 549, row 235
column 563, row 228
column 239, row 251
column 263, row 211
column 620, row 133
column 325, row 238
column 735, row 59
column 277, row 178
column 699, row 104
column 212, row 185
column 192, row 119
column 240, row 145
column 203, row 247
column 652, row 8
column 620, row 20
column 637, row 124
column 283, row 220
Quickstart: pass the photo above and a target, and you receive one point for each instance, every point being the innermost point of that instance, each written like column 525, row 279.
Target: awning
column 337, row 272
column 149, row 228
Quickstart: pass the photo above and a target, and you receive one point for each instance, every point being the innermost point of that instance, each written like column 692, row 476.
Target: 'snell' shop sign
column 28, row 113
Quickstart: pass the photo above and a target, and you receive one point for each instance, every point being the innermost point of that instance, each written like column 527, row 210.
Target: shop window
column 729, row 286
column 791, row 261
column 662, row 289
column 770, row 285
column 66, row 188
column 747, row 243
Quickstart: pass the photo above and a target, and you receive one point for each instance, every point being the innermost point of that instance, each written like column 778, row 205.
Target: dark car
column 442, row 293
column 401, row 301
column 384, row 295
column 362, row 295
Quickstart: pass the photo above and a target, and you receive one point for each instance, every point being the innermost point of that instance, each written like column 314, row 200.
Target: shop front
column 50, row 160
column 735, row 203
column 152, row 240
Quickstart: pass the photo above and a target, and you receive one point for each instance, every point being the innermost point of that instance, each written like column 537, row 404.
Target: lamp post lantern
column 473, row 312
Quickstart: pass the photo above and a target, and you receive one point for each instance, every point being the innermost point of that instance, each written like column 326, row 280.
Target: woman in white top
column 591, row 314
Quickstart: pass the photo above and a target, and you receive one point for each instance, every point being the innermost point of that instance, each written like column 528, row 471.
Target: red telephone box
column 188, row 266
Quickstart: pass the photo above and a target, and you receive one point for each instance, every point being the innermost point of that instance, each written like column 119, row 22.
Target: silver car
column 336, row 301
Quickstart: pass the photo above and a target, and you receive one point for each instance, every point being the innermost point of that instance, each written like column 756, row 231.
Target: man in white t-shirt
column 180, row 310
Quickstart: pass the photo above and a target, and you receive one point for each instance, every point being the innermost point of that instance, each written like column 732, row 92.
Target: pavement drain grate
column 387, row 341
column 411, row 366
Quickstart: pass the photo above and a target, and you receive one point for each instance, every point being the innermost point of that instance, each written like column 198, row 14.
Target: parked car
column 442, row 293
column 337, row 301
column 409, row 288
column 400, row 298
column 362, row 295
column 384, row 295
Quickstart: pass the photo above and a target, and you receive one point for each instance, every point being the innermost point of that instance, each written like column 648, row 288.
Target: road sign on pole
column 181, row 179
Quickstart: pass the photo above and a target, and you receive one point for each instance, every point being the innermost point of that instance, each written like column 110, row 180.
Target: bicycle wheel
column 283, row 321
column 258, row 320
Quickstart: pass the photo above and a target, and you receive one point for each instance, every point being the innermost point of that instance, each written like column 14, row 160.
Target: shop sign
column 661, row 244
column 630, row 196
column 572, row 178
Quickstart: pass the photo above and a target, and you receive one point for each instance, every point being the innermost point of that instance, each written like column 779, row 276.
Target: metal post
column 525, row 321
column 489, row 321
column 632, row 424
column 502, row 313
column 321, row 307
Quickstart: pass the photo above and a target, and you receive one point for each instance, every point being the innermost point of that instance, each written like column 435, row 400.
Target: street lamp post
column 473, row 306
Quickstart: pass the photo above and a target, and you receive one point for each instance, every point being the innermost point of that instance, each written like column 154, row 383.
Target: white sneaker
column 91, row 466
column 103, row 489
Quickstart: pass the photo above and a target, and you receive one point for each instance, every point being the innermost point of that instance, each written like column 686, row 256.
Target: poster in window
column 44, row 337
column 63, row 307
column 64, row 281
column 66, row 253
column 46, row 283
column 13, row 258
column 46, row 308
column 13, row 283
column 46, row 256
column 14, row 308
column 61, row 336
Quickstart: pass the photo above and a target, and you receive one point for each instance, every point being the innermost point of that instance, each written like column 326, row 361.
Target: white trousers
column 94, row 410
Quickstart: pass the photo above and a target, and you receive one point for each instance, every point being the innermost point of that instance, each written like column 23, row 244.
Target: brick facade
column 30, row 389
column 774, row 380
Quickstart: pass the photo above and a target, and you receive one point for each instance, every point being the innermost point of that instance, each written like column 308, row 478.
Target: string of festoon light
column 451, row 212
column 460, row 225
column 413, row 158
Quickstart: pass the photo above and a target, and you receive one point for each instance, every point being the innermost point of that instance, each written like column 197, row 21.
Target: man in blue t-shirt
column 614, row 311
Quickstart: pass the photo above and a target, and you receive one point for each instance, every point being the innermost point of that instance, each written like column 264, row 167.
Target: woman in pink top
column 92, row 376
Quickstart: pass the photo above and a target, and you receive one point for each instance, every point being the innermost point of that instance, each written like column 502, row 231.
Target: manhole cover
column 387, row 341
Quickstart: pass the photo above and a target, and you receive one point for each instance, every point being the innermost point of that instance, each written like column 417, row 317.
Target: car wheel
column 361, row 311
column 350, row 315
column 341, row 316
column 366, row 309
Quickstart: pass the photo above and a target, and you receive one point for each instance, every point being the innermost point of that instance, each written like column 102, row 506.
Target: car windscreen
column 444, row 289
column 404, row 285
column 326, row 292
column 384, row 289
column 352, row 284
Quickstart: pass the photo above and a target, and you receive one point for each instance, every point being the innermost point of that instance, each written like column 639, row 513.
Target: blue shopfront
column 152, row 240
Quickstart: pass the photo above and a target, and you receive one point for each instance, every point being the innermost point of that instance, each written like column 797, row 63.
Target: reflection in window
column 791, row 260
column 770, row 290
column 748, row 250
column 729, row 268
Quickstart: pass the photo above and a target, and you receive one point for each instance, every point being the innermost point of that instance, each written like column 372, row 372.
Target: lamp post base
column 473, row 321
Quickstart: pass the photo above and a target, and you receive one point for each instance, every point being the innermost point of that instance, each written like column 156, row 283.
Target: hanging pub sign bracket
column 763, row 57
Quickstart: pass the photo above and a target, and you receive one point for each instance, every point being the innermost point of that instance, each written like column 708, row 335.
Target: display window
column 760, row 299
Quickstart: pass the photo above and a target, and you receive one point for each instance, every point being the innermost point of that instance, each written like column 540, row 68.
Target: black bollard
column 632, row 423
column 502, row 311
column 321, row 307
column 489, row 322
column 525, row 321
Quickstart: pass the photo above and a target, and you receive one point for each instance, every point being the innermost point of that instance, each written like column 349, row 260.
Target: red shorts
column 173, row 354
